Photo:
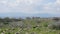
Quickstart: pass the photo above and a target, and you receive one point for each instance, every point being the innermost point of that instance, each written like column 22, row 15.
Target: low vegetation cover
column 34, row 25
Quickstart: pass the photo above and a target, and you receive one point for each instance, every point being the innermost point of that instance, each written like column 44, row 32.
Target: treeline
column 7, row 19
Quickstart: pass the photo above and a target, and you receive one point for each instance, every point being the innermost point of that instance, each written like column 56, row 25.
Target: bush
column 56, row 19
column 54, row 26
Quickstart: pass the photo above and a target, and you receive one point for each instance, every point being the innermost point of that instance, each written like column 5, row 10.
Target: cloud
column 30, row 6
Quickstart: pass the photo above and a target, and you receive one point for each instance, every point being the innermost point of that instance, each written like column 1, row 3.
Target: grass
column 33, row 28
column 42, row 30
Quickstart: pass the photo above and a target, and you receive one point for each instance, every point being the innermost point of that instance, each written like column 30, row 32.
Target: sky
column 24, row 8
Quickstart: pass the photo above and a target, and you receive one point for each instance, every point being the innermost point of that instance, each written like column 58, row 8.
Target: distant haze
column 29, row 8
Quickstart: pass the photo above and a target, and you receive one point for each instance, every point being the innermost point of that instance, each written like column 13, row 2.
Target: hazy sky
column 43, row 8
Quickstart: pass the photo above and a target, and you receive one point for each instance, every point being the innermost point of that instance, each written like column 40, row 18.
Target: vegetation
column 34, row 25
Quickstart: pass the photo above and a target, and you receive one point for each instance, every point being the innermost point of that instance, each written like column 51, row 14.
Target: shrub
column 54, row 26
column 56, row 19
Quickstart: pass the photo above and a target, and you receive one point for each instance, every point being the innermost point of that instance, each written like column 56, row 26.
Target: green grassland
column 28, row 26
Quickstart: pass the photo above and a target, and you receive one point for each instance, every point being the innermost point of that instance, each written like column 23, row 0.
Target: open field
column 29, row 25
